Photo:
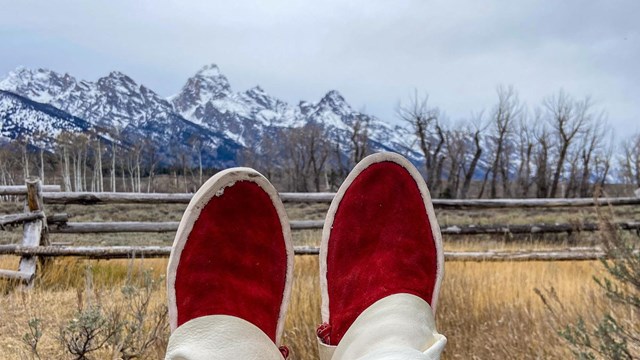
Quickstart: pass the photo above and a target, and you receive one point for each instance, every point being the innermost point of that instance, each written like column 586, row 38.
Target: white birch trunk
column 139, row 188
column 84, row 169
column 114, row 148
column 66, row 177
column 25, row 161
column 200, row 167
column 100, row 180
column 42, row 165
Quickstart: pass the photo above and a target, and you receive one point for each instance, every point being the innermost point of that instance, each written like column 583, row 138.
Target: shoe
column 381, row 249
column 230, row 271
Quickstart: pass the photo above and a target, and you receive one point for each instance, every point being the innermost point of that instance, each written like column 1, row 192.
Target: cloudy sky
column 375, row 52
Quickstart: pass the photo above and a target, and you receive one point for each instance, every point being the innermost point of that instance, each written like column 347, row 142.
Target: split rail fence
column 37, row 226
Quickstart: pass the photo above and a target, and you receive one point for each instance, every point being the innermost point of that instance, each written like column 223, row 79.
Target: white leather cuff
column 220, row 337
column 325, row 351
column 399, row 326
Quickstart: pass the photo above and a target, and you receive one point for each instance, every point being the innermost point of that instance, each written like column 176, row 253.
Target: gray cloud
column 375, row 52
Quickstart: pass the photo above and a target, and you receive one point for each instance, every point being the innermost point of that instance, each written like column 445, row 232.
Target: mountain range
column 42, row 103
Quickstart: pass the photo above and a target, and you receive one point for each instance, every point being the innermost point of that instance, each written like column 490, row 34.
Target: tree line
column 562, row 147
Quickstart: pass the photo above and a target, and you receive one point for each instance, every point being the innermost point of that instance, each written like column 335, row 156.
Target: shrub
column 616, row 333
column 134, row 327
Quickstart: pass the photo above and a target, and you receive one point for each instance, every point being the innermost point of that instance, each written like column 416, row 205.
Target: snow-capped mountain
column 116, row 103
column 115, row 100
column 207, row 99
column 21, row 118
column 337, row 116
column 205, row 107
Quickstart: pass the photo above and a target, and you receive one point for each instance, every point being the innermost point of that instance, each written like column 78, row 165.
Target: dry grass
column 487, row 310
column 60, row 293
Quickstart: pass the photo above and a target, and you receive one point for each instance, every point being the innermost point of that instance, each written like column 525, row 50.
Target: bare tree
column 297, row 156
column 197, row 145
column 133, row 160
column 23, row 143
column 9, row 163
column 306, row 152
column 602, row 166
column 99, row 173
column 455, row 153
column 567, row 118
column 63, row 142
column 339, row 165
column 424, row 122
column 541, row 157
column 319, row 150
column 267, row 155
column 79, row 155
column 630, row 162
column 476, row 132
column 570, row 186
column 504, row 117
column 526, row 142
column 115, row 138
column 152, row 159
column 39, row 139
column 592, row 144
column 359, row 139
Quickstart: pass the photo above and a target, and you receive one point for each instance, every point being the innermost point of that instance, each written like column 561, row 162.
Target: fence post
column 36, row 232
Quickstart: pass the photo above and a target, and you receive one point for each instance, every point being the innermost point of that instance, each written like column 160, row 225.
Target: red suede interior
column 380, row 244
column 235, row 261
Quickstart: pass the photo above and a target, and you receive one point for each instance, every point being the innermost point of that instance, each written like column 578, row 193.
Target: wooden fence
column 37, row 226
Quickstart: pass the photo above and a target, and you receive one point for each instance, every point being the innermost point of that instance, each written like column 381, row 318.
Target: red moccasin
column 380, row 238
column 232, row 254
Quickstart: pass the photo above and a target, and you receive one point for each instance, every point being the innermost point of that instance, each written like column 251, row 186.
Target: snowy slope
column 22, row 118
column 208, row 99
column 206, row 106
column 116, row 103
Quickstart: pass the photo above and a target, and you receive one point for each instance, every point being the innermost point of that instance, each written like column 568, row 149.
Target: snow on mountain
column 116, row 103
column 205, row 106
column 207, row 85
column 38, row 85
column 207, row 99
column 21, row 118
column 115, row 100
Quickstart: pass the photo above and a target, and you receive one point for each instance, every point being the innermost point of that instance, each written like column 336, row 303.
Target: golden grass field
column 487, row 310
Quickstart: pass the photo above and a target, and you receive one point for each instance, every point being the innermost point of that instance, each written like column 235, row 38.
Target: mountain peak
column 336, row 102
column 210, row 70
column 209, row 78
column 20, row 70
column 206, row 85
column 40, row 85
column 23, row 74
column 257, row 90
column 117, row 82
column 116, row 75
column 205, row 106
column 334, row 96
column 119, row 77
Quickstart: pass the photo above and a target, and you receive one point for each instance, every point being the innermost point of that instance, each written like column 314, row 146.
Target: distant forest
column 561, row 148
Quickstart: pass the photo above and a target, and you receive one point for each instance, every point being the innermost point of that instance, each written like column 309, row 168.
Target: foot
column 380, row 239
column 232, row 259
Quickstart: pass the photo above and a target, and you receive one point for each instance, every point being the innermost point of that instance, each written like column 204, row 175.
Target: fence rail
column 453, row 230
column 93, row 198
column 37, row 225
column 126, row 252
column 17, row 190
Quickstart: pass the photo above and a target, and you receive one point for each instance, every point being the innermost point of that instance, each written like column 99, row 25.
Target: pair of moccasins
column 233, row 256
